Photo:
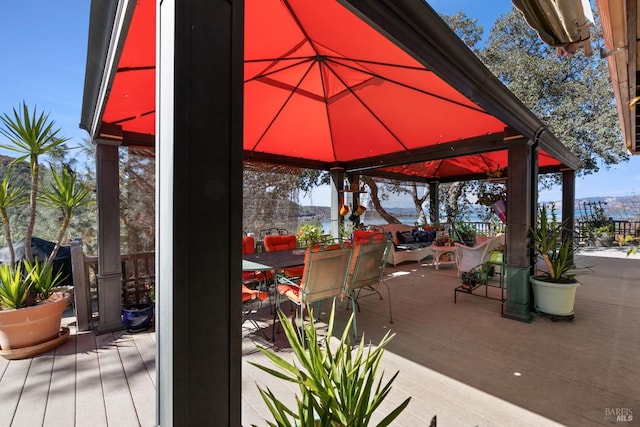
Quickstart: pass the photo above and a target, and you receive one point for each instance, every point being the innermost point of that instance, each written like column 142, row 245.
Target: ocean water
column 326, row 225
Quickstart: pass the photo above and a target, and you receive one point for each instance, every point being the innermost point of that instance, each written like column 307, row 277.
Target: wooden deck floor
column 91, row 380
column 462, row 362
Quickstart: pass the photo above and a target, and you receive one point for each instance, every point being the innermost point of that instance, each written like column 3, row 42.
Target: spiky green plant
column 66, row 194
column 42, row 278
column 555, row 249
column 14, row 290
column 31, row 135
column 337, row 383
column 11, row 195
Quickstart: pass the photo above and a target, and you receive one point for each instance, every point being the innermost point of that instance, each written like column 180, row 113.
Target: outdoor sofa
column 409, row 243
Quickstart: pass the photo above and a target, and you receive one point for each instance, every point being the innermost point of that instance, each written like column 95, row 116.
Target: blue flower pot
column 137, row 317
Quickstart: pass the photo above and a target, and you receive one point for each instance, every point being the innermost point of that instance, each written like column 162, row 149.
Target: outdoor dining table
column 275, row 260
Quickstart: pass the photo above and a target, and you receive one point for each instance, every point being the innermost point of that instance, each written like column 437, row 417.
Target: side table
column 438, row 251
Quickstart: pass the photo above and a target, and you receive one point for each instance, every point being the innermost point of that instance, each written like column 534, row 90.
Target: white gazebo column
column 109, row 264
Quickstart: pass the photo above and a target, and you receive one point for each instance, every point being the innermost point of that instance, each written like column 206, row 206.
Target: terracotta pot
column 33, row 325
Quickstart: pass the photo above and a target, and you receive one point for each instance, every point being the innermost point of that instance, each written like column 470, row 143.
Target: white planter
column 554, row 298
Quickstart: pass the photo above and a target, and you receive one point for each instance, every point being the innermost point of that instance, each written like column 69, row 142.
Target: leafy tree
column 467, row 29
column 572, row 95
column 375, row 200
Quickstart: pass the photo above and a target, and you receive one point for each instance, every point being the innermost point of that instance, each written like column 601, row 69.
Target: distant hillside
column 619, row 208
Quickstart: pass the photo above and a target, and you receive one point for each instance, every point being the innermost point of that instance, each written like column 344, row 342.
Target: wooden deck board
column 61, row 405
column 13, row 380
column 139, row 380
column 32, row 406
column 117, row 396
column 146, row 345
column 89, row 392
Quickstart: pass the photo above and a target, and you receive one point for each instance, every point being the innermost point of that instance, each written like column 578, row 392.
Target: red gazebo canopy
column 324, row 89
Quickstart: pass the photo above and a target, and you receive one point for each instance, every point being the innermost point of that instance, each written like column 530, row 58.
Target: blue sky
column 43, row 58
column 44, row 48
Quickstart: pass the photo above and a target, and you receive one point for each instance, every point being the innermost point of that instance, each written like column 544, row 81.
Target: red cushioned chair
column 359, row 235
column 251, row 302
column 282, row 242
column 249, row 247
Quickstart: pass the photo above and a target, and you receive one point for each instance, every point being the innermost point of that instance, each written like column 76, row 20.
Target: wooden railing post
column 81, row 289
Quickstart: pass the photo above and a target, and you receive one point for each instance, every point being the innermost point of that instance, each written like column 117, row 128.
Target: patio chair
column 469, row 257
column 281, row 242
column 273, row 231
column 367, row 270
column 252, row 302
column 326, row 272
column 252, row 279
column 249, row 247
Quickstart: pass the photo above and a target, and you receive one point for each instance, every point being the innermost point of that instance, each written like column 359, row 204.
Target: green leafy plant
column 11, row 195
column 43, row 281
column 32, row 135
column 478, row 275
column 14, row 290
column 337, row 383
column 556, row 250
column 310, row 233
column 443, row 240
column 66, row 194
column 488, row 194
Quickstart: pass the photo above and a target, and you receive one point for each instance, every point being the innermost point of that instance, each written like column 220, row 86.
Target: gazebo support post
column 434, row 196
column 521, row 183
column 337, row 187
column 109, row 265
column 199, row 201
column 568, row 203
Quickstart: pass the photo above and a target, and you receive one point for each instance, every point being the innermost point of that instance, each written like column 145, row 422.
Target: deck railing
column 138, row 282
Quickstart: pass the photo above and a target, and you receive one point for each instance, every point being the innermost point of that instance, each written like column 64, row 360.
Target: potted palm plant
column 30, row 310
column 554, row 285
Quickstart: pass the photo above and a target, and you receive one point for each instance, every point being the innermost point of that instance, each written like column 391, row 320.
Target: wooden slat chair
column 366, row 271
column 325, row 276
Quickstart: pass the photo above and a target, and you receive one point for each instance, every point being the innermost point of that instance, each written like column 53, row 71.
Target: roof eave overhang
column 109, row 22
column 619, row 21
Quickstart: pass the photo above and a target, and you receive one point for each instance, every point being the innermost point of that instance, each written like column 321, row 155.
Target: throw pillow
column 424, row 236
column 405, row 237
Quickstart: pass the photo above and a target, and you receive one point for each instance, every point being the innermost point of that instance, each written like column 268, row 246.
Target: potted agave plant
column 554, row 285
column 30, row 310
